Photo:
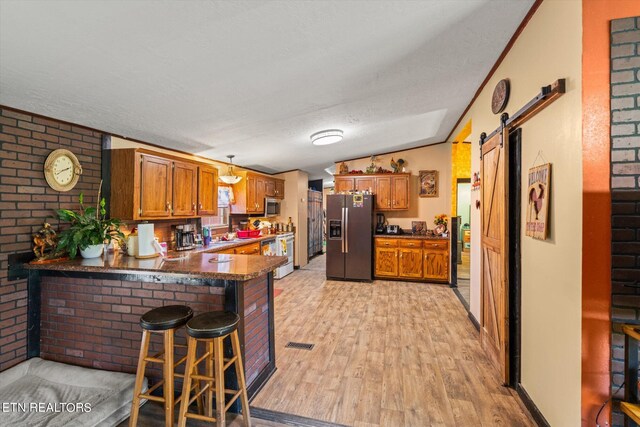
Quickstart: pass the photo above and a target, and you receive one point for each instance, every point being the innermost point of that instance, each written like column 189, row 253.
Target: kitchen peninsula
column 86, row 311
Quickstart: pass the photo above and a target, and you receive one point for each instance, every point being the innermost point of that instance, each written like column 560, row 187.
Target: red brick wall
column 95, row 323
column 26, row 201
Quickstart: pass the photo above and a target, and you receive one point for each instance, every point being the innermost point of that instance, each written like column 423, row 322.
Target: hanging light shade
column 229, row 177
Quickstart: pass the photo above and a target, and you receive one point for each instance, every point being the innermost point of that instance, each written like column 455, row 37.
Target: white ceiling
column 255, row 78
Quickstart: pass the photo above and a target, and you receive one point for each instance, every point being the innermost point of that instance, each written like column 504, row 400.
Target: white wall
column 294, row 205
column 550, row 47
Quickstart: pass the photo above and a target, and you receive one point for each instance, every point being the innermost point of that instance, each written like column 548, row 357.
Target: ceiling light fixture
column 326, row 137
column 230, row 178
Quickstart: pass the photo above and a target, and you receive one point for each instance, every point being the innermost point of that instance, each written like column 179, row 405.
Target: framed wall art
column 538, row 202
column 428, row 183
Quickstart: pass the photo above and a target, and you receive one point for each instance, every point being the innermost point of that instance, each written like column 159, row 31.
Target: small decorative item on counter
column 165, row 248
column 372, row 167
column 440, row 222
column 289, row 225
column 418, row 227
column 132, row 242
column 89, row 229
column 44, row 242
column 206, row 236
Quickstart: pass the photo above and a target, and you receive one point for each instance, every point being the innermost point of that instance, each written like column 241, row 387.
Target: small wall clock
column 500, row 96
column 62, row 170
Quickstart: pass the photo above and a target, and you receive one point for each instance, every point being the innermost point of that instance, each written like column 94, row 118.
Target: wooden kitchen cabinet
column 250, row 192
column 150, row 185
column 207, row 191
column 270, row 187
column 344, row 184
column 391, row 190
column 185, row 189
column 250, row 249
column 386, row 263
column 155, row 187
column 412, row 259
column 279, row 188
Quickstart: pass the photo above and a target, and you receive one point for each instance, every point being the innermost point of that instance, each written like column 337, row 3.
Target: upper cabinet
column 251, row 191
column 207, row 190
column 146, row 185
column 391, row 190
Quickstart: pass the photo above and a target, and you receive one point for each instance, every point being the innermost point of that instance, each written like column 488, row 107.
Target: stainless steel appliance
column 284, row 247
column 271, row 207
column 185, row 237
column 350, row 236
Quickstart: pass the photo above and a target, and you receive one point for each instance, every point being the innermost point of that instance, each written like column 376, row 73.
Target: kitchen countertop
column 225, row 267
column 411, row 236
column 212, row 248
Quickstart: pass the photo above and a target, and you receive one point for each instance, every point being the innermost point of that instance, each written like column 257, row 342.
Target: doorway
column 463, row 212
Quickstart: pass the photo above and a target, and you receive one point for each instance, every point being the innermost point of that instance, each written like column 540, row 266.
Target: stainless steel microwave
column 271, row 207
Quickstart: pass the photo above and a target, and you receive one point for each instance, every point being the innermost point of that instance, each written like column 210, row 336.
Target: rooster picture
column 537, row 198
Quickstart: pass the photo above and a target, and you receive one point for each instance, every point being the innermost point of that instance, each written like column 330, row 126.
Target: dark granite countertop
column 411, row 236
column 217, row 247
column 197, row 265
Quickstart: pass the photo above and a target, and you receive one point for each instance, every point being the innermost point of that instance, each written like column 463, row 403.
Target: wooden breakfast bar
column 86, row 311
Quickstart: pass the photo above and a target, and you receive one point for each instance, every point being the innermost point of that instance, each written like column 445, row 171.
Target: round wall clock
column 62, row 170
column 500, row 96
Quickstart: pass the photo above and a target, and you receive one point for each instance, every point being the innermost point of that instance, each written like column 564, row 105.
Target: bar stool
column 163, row 320
column 212, row 328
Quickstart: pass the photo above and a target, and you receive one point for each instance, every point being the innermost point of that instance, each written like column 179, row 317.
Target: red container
column 248, row 234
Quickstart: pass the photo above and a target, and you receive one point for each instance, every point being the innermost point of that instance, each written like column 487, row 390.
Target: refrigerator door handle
column 342, row 237
column 346, row 230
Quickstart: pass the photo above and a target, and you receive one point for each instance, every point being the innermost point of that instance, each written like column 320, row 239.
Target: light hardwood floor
column 386, row 354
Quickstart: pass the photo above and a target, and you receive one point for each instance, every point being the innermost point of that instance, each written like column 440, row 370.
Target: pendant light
column 230, row 178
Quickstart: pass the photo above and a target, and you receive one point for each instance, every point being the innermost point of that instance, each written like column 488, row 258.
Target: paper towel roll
column 145, row 248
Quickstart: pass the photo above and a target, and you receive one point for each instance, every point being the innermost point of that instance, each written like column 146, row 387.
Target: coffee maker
column 185, row 237
column 380, row 223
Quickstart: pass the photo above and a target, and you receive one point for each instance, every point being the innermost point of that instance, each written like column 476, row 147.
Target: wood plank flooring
column 386, row 354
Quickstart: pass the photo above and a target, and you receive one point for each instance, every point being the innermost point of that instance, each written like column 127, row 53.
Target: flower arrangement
column 440, row 219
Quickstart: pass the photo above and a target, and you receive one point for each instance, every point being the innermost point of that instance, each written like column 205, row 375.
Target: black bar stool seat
column 213, row 324
column 167, row 317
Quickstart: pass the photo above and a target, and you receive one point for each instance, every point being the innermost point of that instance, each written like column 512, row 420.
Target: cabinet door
column 365, row 184
column 410, row 263
column 207, row 191
column 386, row 262
column 155, row 187
column 185, row 189
column 383, row 193
column 344, row 184
column 279, row 189
column 260, row 193
column 436, row 265
column 251, row 193
column 400, row 192
column 269, row 188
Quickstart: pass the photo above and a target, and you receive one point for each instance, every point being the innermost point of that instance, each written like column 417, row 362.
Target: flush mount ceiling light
column 230, row 178
column 326, row 137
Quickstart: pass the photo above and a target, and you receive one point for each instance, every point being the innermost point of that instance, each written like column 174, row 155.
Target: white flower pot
column 92, row 251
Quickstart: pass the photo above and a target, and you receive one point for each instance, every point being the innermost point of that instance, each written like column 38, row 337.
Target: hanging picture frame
column 428, row 181
column 538, row 197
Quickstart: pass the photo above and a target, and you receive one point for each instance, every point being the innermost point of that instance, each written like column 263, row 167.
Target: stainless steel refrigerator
column 350, row 237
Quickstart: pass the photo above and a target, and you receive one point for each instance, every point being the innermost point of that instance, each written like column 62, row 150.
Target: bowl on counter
column 248, row 234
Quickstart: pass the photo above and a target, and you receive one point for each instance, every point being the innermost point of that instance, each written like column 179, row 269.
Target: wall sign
column 538, row 201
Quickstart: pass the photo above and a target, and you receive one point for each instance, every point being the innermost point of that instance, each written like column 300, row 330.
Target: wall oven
column 271, row 207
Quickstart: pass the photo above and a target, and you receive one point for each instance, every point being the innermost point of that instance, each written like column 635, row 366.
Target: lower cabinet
column 250, row 249
column 414, row 259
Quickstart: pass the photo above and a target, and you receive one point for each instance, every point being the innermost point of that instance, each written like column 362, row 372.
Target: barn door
column 494, row 326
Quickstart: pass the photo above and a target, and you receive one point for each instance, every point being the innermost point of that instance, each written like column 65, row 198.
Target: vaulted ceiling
column 255, row 78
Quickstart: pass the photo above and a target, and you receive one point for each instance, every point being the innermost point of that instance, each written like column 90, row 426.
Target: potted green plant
column 89, row 230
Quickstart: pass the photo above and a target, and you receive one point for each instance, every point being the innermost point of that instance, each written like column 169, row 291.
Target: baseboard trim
column 290, row 419
column 533, row 409
column 464, row 302
column 474, row 321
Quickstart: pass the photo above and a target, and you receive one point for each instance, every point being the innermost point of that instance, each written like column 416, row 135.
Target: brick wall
column 26, row 201
column 625, row 189
column 256, row 312
column 95, row 323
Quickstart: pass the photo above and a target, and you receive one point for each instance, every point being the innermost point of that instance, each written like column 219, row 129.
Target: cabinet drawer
column 383, row 243
column 436, row 245
column 408, row 243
